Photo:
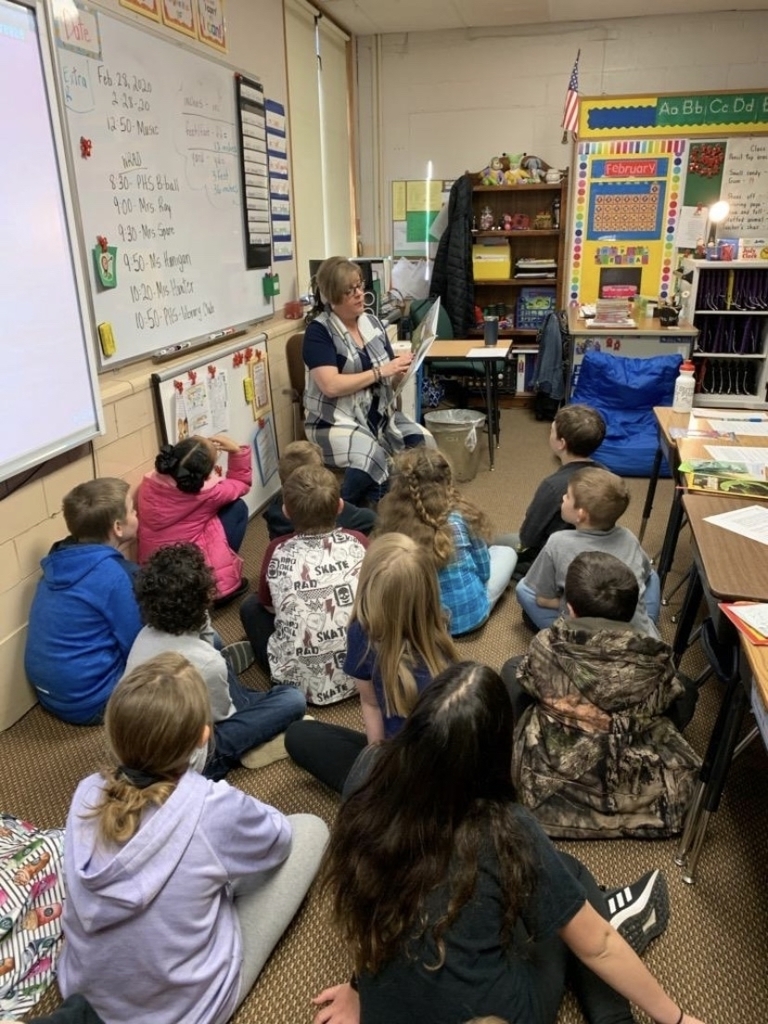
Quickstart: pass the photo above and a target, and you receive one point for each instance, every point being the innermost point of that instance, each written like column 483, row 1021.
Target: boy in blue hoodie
column 84, row 616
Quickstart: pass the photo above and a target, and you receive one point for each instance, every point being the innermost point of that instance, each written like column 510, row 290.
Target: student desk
column 666, row 420
column 676, row 451
column 727, row 567
column 490, row 355
column 648, row 338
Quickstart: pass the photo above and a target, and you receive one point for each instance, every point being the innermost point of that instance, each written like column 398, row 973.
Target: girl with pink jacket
column 184, row 500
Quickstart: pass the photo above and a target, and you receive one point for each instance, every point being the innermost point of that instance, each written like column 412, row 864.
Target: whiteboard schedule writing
column 160, row 178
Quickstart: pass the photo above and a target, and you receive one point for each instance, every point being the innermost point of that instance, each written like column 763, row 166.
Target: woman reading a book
column 349, row 394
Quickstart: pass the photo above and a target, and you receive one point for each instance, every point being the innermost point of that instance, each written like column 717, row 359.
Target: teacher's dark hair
column 439, row 796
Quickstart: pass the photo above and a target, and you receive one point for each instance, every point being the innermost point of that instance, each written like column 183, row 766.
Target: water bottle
column 685, row 386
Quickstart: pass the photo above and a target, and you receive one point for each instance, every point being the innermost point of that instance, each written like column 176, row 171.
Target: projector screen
column 50, row 401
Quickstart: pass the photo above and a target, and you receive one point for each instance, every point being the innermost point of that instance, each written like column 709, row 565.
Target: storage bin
column 533, row 307
column 492, row 262
column 457, row 433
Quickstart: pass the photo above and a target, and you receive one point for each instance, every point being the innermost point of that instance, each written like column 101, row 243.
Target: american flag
column 571, row 109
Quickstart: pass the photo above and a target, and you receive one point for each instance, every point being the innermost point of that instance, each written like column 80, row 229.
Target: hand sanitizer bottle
column 685, row 386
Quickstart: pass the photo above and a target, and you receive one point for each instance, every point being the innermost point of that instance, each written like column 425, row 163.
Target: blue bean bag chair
column 625, row 391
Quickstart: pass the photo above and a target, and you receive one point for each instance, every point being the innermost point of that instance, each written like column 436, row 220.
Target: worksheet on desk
column 755, row 460
column 751, row 522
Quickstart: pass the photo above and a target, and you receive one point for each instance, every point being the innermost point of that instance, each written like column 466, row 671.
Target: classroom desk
column 491, row 354
column 666, row 419
column 726, row 567
column 649, row 338
column 676, row 451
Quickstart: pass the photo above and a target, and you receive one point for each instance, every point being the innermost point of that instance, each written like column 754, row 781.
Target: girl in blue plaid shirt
column 424, row 504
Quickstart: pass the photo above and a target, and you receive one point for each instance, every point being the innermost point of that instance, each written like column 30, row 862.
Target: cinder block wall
column 31, row 519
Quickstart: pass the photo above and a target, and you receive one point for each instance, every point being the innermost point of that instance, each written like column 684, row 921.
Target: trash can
column 457, row 433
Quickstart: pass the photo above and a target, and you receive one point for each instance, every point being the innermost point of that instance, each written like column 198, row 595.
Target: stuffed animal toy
column 494, row 173
column 535, row 166
column 515, row 174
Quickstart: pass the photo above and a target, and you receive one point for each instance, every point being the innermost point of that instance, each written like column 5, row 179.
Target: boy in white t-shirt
column 308, row 579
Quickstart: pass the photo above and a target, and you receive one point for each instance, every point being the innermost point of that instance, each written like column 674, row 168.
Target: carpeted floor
column 712, row 957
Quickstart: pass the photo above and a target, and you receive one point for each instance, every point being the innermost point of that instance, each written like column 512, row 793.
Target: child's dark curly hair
column 189, row 463
column 175, row 589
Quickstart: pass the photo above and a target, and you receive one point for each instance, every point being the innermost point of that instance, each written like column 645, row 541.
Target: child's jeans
column 259, row 716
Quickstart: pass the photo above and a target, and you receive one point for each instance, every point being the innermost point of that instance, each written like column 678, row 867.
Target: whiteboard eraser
column 107, row 339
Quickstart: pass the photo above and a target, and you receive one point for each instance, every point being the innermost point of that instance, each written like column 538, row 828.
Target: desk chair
column 296, row 376
column 723, row 657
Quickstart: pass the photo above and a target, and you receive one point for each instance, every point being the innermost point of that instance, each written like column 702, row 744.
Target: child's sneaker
column 639, row 912
column 239, row 655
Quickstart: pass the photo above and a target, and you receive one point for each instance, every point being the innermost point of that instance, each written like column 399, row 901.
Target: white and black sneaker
column 639, row 912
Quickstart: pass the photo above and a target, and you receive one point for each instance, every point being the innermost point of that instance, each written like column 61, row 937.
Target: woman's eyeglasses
column 354, row 289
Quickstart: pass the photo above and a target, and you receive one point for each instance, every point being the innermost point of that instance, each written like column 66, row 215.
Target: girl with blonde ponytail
column 172, row 879
column 397, row 642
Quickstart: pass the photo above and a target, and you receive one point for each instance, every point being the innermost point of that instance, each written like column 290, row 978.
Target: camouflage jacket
column 594, row 756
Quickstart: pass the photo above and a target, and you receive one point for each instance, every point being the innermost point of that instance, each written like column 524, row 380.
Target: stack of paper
column 612, row 313
column 750, row 618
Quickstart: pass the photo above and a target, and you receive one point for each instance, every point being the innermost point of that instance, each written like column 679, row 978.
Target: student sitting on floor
column 423, row 503
column 596, row 754
column 84, row 615
column 184, row 500
column 174, row 590
column 593, row 502
column 298, row 623
column 397, row 643
column 576, row 432
column 451, row 900
column 178, row 888
column 306, row 453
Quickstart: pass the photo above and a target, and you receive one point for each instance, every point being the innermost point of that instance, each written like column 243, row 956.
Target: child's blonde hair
column 296, row 454
column 602, row 495
column 311, row 499
column 154, row 722
column 421, row 496
column 398, row 605
column 92, row 508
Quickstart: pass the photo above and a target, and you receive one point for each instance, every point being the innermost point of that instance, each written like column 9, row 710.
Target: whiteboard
column 209, row 397
column 50, row 397
column 153, row 134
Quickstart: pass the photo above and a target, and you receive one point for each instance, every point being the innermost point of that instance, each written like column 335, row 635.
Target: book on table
column 750, row 618
column 719, row 477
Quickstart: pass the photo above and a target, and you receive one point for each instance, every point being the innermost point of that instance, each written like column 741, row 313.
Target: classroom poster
column 627, row 202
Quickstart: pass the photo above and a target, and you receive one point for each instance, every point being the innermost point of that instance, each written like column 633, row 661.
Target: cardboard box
column 492, row 262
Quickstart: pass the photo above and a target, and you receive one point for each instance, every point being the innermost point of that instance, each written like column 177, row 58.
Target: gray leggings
column 266, row 903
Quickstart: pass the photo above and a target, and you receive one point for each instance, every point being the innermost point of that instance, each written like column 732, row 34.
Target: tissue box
column 492, row 262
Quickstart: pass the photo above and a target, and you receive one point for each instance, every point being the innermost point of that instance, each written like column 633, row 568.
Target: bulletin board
column 647, row 170
column 228, row 394
column 415, row 205
column 154, row 141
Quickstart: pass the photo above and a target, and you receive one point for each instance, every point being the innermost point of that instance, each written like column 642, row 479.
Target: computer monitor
column 372, row 279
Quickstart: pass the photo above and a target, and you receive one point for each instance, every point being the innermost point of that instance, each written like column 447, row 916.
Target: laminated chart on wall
column 259, row 374
column 265, row 448
column 253, row 168
column 279, row 191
